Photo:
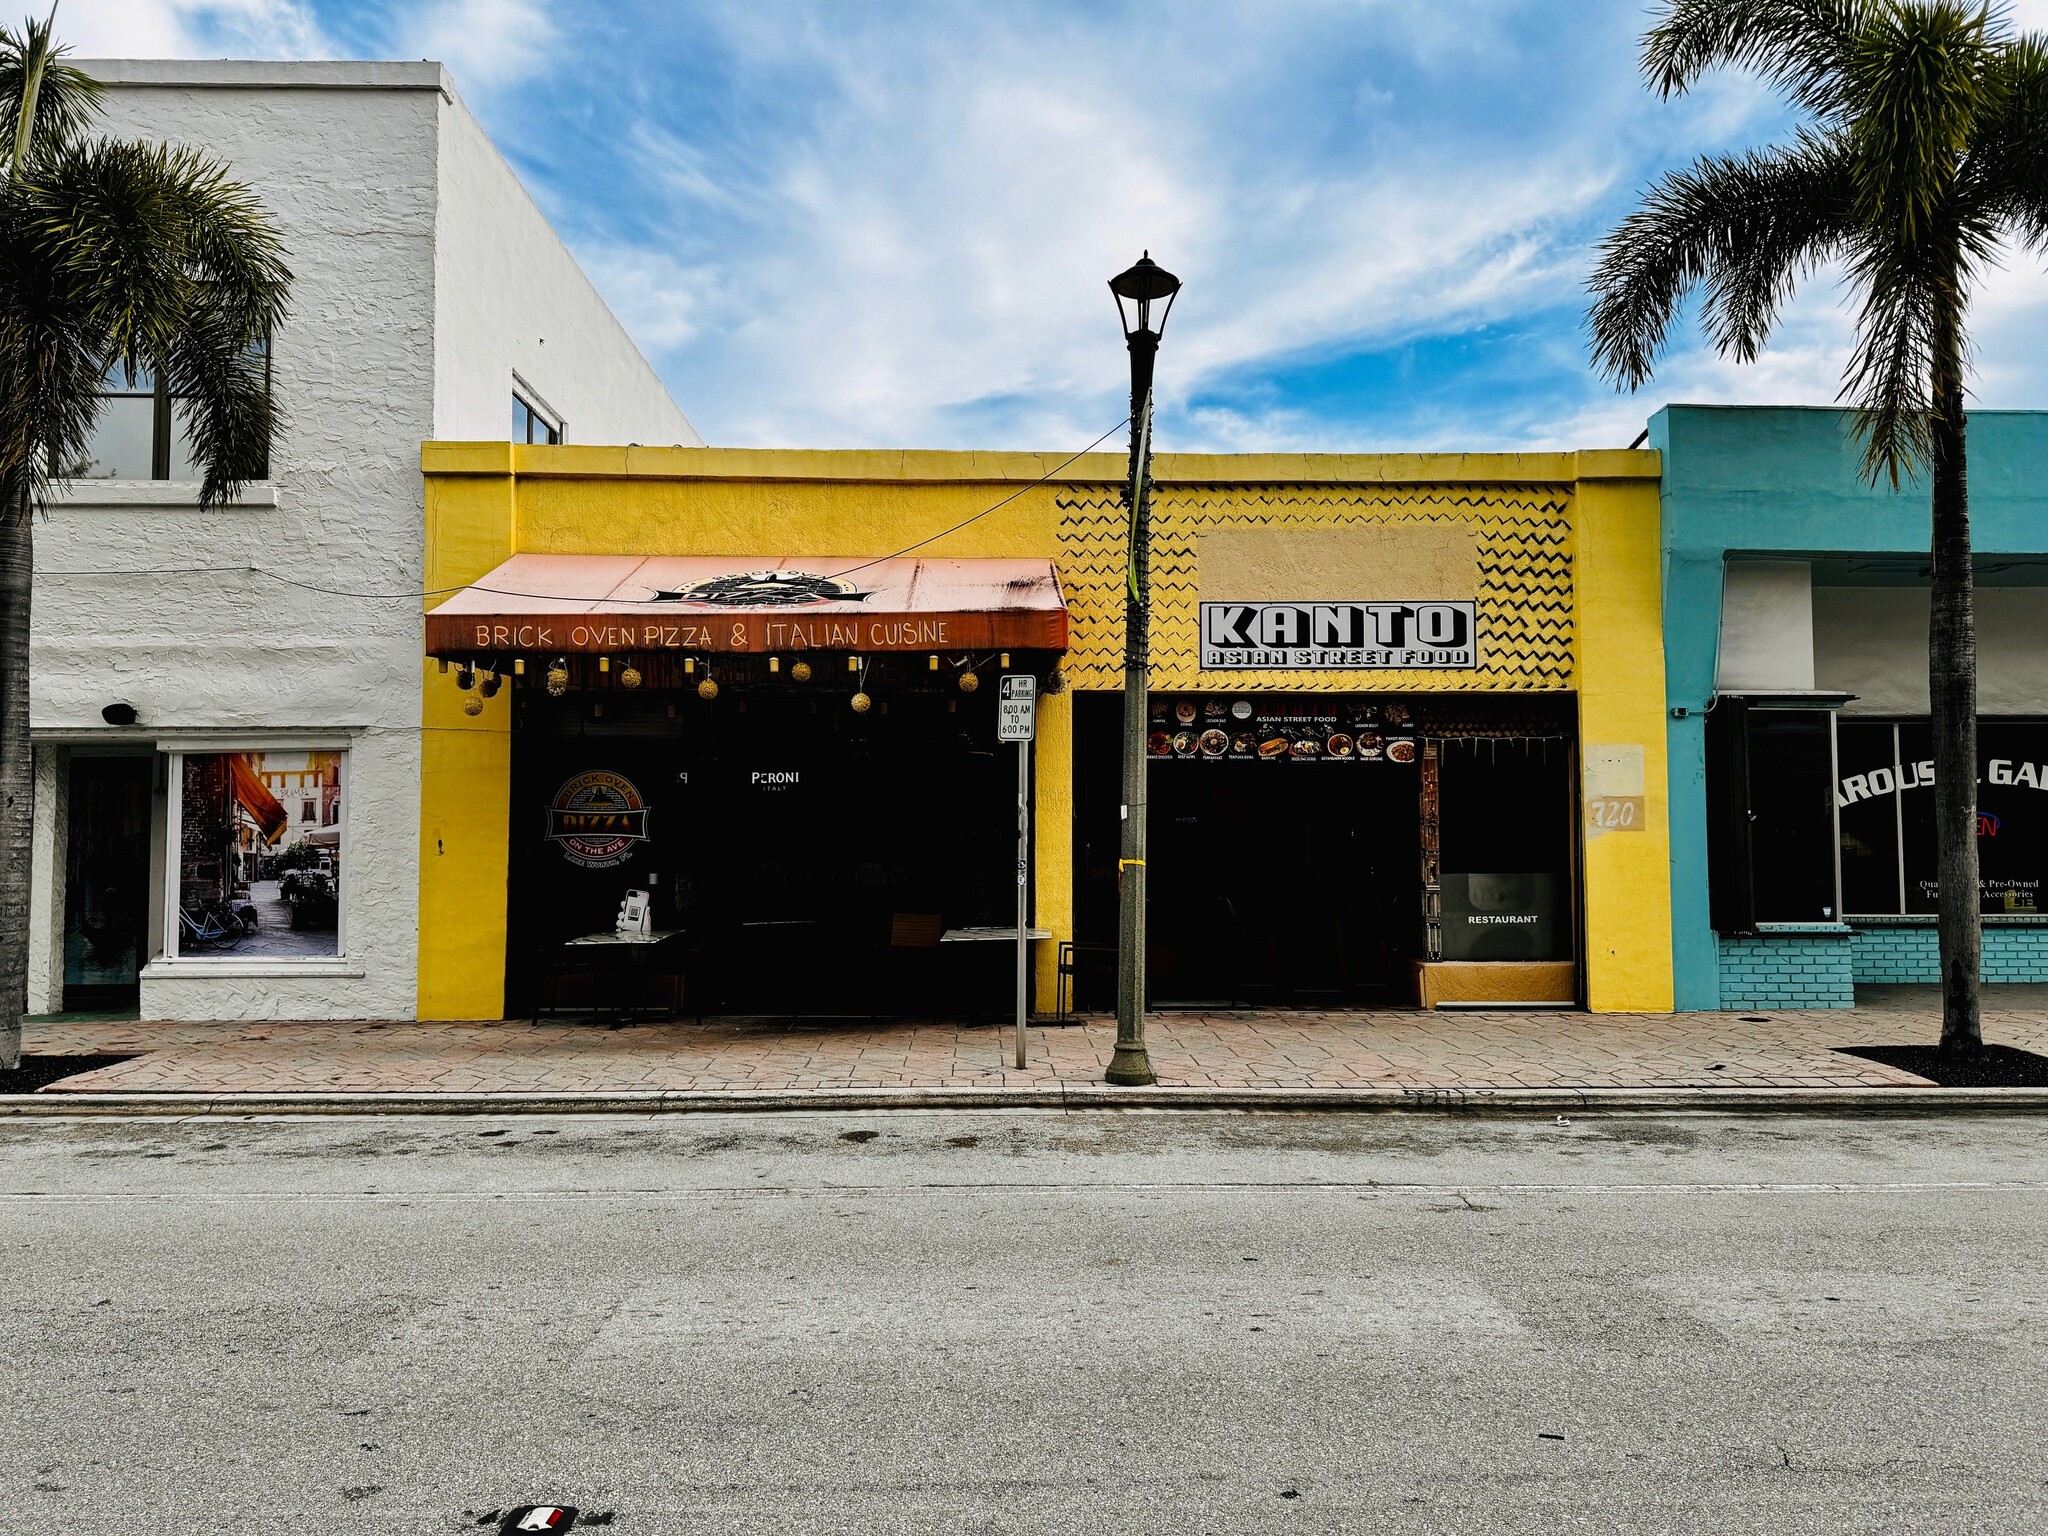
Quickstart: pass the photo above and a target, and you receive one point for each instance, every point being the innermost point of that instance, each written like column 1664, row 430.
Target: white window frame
column 533, row 401
column 170, row 962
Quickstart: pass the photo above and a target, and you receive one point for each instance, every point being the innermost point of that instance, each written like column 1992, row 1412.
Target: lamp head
column 1139, row 290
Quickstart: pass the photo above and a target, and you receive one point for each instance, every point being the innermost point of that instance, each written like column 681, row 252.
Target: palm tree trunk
column 17, row 772
column 1952, row 695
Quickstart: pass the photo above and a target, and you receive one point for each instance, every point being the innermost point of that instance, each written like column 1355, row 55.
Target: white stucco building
column 429, row 293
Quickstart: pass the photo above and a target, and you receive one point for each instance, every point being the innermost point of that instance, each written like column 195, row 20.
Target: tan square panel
column 1361, row 562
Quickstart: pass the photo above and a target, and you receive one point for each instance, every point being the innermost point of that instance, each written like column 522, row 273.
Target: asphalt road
column 1026, row 1322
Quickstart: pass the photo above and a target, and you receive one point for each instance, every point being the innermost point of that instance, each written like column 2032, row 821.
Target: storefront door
column 106, row 882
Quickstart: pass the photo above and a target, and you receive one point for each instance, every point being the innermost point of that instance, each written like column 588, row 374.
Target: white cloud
column 486, row 44
column 183, row 29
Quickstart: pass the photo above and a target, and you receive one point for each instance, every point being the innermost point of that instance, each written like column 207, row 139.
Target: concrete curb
column 1062, row 1096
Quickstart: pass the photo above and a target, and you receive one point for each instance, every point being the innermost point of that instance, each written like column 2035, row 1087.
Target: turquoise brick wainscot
column 1789, row 965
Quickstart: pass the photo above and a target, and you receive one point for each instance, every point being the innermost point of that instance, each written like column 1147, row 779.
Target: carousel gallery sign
column 1339, row 636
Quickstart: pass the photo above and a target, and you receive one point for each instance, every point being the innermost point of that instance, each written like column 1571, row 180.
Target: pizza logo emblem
column 597, row 819
column 765, row 589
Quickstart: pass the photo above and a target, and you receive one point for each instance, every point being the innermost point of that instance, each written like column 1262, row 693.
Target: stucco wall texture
column 410, row 241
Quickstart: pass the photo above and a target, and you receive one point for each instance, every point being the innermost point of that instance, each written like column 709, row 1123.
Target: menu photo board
column 1218, row 728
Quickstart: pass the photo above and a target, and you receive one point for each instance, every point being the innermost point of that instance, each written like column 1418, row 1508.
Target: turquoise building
column 1795, row 645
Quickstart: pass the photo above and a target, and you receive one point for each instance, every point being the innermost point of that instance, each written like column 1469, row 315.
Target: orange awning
column 569, row 603
column 271, row 818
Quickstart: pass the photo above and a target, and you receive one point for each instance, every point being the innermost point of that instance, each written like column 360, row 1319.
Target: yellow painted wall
column 1566, row 576
column 465, row 767
column 1627, row 877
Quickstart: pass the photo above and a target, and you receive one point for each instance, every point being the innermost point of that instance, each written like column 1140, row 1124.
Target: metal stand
column 1023, row 884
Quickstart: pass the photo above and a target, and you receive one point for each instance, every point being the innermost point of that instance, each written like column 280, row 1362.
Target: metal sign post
column 1017, row 720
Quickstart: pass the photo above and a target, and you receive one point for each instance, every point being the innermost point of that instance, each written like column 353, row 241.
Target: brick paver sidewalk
column 1248, row 1050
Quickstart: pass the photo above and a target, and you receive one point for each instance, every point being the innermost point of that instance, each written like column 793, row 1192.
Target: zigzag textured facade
column 1525, row 547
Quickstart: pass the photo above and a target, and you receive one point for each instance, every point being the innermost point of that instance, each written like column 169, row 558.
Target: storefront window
column 260, row 865
column 1886, row 798
column 1772, row 815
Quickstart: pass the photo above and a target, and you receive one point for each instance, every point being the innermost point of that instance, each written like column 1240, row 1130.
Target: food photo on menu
column 1276, row 730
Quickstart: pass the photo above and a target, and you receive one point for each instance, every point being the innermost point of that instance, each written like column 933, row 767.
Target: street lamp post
column 1137, row 291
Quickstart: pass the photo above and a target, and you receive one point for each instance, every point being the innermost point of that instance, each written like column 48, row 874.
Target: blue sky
column 890, row 224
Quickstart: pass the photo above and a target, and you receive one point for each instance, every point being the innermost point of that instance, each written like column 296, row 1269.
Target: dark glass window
column 1887, row 781
column 143, row 431
column 2012, row 814
column 530, row 426
column 1867, row 794
column 1771, row 816
column 1791, row 815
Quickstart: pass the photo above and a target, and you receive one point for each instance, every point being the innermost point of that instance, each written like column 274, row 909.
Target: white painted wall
column 1766, row 627
column 355, row 162
column 509, row 298
column 1872, row 642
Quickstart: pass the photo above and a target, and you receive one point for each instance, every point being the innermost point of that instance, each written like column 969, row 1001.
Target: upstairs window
column 141, row 431
column 530, row 424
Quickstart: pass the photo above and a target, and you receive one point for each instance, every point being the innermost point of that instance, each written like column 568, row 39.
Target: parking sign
column 1017, row 709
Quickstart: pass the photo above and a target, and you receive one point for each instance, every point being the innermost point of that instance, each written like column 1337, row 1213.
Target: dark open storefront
column 1313, row 850
column 808, row 857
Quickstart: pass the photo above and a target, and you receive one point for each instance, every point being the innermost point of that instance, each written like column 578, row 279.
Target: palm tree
column 113, row 255
column 1923, row 149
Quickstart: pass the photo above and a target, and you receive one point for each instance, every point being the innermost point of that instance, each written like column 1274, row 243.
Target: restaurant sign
column 1339, row 636
column 597, row 819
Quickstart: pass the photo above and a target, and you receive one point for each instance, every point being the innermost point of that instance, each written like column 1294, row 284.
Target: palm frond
column 1746, row 228
column 120, row 252
column 1800, row 46
column 60, row 100
column 2008, row 165
column 1920, row 78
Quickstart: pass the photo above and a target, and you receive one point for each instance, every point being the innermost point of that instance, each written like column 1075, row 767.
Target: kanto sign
column 1339, row 636
column 597, row 819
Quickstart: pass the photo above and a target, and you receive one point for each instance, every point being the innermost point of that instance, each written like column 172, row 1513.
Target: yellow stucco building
column 1408, row 720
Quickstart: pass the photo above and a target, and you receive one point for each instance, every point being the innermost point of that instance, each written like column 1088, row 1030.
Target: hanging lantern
column 473, row 705
column 558, row 679
column 708, row 688
column 465, row 677
column 968, row 681
column 490, row 686
column 629, row 676
column 1056, row 681
column 800, row 671
column 861, row 703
